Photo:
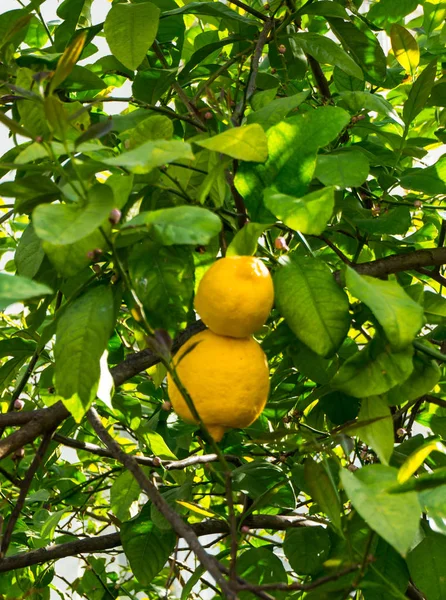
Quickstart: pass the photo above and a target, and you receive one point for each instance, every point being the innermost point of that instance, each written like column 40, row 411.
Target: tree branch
column 169, row 465
column 319, row 77
column 181, row 528
column 90, row 545
column 24, row 488
column 396, row 263
column 44, row 421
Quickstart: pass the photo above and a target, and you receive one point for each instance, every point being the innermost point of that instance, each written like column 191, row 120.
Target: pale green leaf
column 309, row 214
column 244, row 243
column 424, row 377
column 130, row 30
column 399, row 315
column 150, row 155
column 179, row 225
column 395, row 517
column 124, row 491
column 276, row 110
column 14, row 288
column 247, row 143
column 312, row 303
column 375, row 427
column 63, row 224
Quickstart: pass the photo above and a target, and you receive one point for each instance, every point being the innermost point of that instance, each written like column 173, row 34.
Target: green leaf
column 67, row 61
column 434, row 15
column 427, row 566
column 163, row 279
column 260, row 566
column 310, row 364
column 430, row 180
column 322, row 488
column 244, row 243
column 394, row 517
column 156, row 127
column 29, row 254
column 326, row 51
column 343, row 169
column 150, row 155
column 17, row 347
column 388, row 566
column 405, row 48
column 17, row 289
column 375, row 427
column 156, row 444
column 373, row 371
column 399, row 315
column 70, row 259
column 309, row 214
column 314, row 306
column 323, row 8
column 424, row 377
column 357, row 101
column 243, row 143
column 292, row 148
column 340, row 407
column 146, row 547
column 265, row 483
column 307, row 548
column 82, row 335
column 434, row 307
column 130, row 30
column 364, row 47
column 419, row 93
column 179, row 225
column 422, row 483
column 276, row 110
column 387, row 11
column 212, row 9
column 63, row 224
column 124, row 491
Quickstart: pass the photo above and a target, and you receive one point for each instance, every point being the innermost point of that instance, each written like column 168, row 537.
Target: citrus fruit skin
column 227, row 379
column 235, row 296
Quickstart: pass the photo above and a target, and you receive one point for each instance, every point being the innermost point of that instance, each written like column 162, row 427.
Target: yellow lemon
column 227, row 379
column 235, row 296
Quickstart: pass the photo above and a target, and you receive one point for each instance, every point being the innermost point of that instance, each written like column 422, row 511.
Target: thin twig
column 248, row 9
column 6, row 216
column 177, row 523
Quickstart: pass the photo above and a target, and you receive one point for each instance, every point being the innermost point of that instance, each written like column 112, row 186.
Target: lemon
column 235, row 296
column 227, row 379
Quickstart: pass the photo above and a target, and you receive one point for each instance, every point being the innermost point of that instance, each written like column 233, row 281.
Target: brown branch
column 38, row 425
column 90, row 545
column 24, row 488
column 255, row 61
column 319, row 77
column 181, row 528
column 169, row 465
column 396, row 263
column 299, row 586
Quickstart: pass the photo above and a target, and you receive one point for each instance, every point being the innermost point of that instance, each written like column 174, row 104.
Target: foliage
column 307, row 133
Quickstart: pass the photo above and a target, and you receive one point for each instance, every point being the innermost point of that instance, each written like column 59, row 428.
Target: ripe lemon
column 235, row 296
column 227, row 379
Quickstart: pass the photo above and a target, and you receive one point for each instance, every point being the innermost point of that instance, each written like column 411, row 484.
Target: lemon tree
column 222, row 344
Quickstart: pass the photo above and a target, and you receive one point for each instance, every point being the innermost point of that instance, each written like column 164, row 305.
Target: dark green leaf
column 307, row 548
column 430, row 180
column 266, row 482
column 375, row 427
column 328, row 52
column 146, row 547
column 322, row 488
column 163, row 279
column 427, row 566
column 419, row 93
column 29, row 254
column 423, row 379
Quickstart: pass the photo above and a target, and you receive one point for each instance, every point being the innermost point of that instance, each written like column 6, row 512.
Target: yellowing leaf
column 243, row 143
column 417, row 458
column 375, row 427
column 196, row 508
column 68, row 60
column 405, row 48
